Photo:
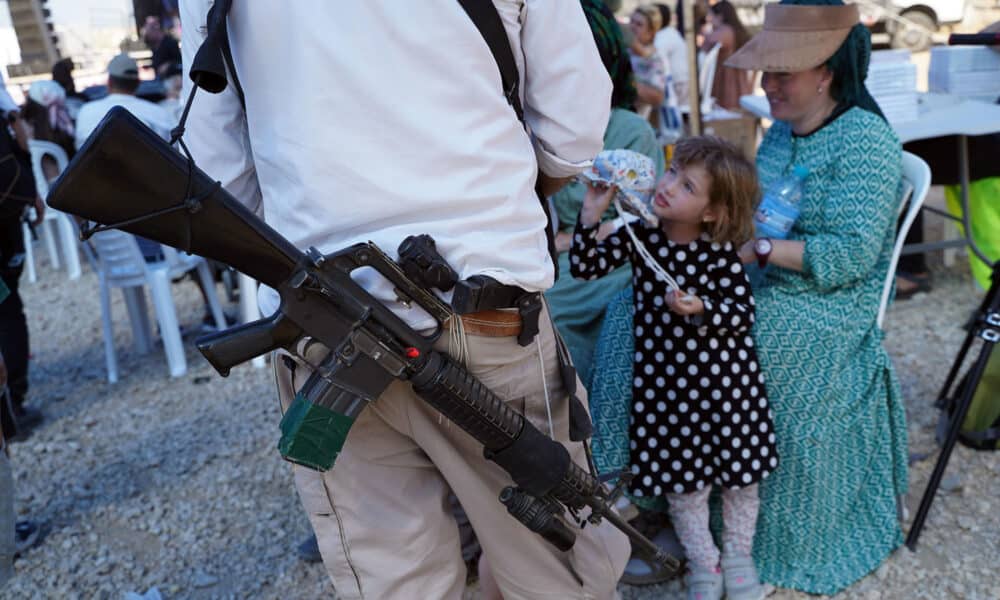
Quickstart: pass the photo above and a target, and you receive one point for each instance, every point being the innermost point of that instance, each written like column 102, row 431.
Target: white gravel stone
column 202, row 580
column 951, row 483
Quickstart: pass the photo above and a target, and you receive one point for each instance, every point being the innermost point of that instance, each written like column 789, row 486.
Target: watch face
column 762, row 246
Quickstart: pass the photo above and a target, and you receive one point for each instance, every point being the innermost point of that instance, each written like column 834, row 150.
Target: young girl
column 700, row 415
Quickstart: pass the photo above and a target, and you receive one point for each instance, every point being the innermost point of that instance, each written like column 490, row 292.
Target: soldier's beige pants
column 381, row 515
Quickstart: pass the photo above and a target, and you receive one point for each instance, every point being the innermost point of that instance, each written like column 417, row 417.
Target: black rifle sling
column 487, row 20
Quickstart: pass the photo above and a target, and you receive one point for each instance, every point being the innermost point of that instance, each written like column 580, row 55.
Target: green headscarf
column 849, row 65
column 614, row 53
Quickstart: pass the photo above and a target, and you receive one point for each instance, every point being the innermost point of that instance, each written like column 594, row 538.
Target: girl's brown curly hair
column 733, row 189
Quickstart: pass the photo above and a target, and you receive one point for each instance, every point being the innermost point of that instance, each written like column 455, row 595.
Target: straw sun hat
column 796, row 38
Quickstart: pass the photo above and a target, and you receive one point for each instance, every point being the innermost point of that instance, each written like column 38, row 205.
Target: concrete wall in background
column 89, row 31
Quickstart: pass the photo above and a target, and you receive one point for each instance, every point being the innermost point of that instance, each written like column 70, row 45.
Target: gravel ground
column 176, row 484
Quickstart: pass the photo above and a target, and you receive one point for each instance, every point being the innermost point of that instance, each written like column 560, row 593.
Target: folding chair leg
column 109, row 336
column 70, row 245
column 29, row 253
column 159, row 283
column 249, row 311
column 135, row 302
column 49, row 237
column 208, row 283
column 950, row 232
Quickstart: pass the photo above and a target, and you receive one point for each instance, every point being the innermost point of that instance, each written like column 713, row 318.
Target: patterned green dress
column 829, row 513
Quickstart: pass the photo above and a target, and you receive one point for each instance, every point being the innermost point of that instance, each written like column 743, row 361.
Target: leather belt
column 491, row 323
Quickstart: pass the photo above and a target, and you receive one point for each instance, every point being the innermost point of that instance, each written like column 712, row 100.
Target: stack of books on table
column 972, row 72
column 892, row 81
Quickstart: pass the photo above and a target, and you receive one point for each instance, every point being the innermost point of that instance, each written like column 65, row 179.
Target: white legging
column 689, row 513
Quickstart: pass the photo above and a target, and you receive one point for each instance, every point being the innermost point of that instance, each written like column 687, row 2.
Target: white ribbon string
column 661, row 273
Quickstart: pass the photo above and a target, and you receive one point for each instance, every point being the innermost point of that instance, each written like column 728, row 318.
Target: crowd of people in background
column 55, row 111
column 660, row 59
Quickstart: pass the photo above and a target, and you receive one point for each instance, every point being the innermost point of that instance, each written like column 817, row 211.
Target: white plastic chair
column 917, row 174
column 46, row 235
column 29, row 253
column 120, row 264
column 707, row 63
column 45, row 229
column 54, row 220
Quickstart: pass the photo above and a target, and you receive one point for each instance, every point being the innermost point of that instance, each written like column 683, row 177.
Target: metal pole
column 694, row 93
column 963, row 169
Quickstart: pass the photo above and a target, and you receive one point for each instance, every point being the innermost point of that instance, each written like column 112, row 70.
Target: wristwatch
column 762, row 248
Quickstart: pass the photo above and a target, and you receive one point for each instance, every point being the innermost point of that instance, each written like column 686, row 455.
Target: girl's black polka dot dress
column 700, row 414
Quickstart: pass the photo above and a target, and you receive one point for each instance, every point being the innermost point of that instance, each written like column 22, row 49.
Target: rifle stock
column 125, row 171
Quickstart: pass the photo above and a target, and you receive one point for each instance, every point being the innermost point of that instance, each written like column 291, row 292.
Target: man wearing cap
column 381, row 120
column 123, row 80
column 166, row 51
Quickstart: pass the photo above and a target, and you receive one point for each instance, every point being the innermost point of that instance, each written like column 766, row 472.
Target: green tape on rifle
column 312, row 435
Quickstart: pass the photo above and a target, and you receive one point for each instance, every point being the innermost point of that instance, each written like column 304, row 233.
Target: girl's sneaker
column 703, row 584
column 740, row 575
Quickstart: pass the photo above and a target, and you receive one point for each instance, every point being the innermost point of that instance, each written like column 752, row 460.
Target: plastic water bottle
column 780, row 207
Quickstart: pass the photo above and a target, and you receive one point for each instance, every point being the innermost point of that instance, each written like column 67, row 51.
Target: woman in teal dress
column 577, row 307
column 829, row 513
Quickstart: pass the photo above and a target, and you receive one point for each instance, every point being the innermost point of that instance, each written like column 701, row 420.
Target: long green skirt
column 829, row 513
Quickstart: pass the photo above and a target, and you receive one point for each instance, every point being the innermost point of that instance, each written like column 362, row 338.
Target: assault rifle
column 126, row 177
